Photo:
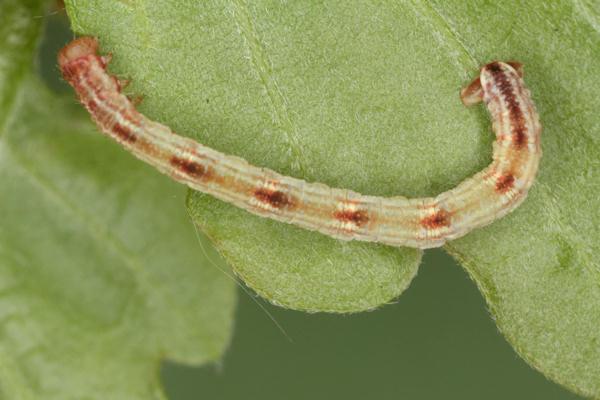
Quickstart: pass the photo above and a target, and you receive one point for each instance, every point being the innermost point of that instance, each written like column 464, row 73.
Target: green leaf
column 538, row 268
column 18, row 33
column 366, row 97
column 102, row 275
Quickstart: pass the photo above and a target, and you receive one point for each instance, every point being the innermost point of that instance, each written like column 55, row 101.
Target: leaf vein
column 259, row 62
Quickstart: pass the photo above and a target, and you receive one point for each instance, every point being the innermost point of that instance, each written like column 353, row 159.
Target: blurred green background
column 437, row 341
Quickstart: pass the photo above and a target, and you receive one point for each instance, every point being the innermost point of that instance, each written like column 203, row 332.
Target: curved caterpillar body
column 340, row 213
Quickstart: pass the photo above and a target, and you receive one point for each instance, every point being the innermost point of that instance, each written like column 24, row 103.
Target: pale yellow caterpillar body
column 344, row 214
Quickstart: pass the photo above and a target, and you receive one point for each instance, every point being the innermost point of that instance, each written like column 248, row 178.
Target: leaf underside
column 367, row 98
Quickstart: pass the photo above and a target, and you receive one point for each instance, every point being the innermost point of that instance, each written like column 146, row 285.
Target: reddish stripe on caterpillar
column 423, row 223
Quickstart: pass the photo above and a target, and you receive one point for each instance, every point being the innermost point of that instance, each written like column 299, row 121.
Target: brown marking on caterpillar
column 395, row 221
column 188, row 167
column 505, row 182
column 358, row 218
column 519, row 138
column 274, row 198
column 516, row 116
column 124, row 132
column 440, row 219
column 92, row 107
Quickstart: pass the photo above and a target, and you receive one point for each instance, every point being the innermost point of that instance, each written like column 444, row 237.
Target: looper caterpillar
column 423, row 223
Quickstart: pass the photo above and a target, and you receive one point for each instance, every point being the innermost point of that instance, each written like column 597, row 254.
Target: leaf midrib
column 276, row 98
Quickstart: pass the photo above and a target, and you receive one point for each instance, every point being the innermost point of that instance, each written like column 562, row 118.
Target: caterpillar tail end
column 473, row 93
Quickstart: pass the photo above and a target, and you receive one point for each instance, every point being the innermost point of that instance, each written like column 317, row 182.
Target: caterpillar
column 343, row 214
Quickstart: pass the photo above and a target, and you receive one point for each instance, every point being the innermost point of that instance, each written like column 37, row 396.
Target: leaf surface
column 367, row 98
column 538, row 268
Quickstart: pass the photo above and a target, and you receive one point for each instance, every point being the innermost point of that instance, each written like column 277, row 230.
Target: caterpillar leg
column 106, row 58
column 123, row 83
column 472, row 94
column 136, row 102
